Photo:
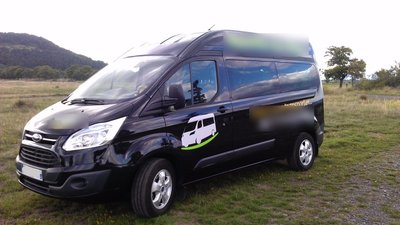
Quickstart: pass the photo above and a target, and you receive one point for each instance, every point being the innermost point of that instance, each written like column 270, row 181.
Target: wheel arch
column 313, row 132
column 164, row 153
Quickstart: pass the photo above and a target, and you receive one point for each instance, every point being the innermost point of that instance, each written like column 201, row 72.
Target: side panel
column 307, row 114
column 268, row 107
column 254, row 84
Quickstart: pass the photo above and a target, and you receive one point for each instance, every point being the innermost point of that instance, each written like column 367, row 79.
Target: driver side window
column 198, row 81
column 181, row 77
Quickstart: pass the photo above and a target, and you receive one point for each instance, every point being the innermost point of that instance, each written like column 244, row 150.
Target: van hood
column 65, row 119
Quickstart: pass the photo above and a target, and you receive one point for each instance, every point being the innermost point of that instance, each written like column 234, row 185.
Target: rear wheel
column 303, row 153
column 153, row 188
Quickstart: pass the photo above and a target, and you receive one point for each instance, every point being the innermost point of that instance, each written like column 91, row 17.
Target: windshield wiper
column 65, row 99
column 89, row 101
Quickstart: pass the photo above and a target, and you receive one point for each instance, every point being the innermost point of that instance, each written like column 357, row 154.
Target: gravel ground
column 372, row 195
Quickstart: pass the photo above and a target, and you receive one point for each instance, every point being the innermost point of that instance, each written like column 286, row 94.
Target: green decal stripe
column 201, row 144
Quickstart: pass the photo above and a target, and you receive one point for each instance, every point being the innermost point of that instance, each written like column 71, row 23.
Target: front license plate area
column 32, row 172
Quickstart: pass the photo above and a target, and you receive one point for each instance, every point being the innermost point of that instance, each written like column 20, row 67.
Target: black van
column 166, row 115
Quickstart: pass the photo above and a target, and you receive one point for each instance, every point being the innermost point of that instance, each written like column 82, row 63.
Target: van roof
column 201, row 117
column 230, row 43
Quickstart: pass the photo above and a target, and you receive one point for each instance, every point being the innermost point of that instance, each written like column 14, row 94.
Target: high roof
column 230, row 43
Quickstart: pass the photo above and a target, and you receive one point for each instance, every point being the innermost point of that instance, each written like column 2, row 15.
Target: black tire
column 141, row 193
column 295, row 161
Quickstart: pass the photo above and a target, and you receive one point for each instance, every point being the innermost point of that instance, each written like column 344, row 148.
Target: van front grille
column 46, row 138
column 39, row 157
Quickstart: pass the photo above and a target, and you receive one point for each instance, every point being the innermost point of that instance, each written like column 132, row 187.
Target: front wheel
column 303, row 153
column 153, row 188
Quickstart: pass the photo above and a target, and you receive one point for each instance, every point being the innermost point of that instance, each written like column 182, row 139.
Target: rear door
column 207, row 104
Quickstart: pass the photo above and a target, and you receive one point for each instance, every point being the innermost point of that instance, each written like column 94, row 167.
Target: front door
column 201, row 128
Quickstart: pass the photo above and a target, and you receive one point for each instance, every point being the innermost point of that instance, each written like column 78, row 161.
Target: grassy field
column 355, row 179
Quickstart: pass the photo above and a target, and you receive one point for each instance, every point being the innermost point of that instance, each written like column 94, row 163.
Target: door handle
column 222, row 109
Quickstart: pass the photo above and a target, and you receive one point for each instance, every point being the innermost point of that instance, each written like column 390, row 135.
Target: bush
column 375, row 84
column 383, row 78
column 22, row 104
column 368, row 84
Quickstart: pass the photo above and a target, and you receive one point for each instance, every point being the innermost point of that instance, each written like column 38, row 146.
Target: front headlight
column 93, row 136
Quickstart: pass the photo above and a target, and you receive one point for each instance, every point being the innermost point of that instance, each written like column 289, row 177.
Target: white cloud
column 105, row 29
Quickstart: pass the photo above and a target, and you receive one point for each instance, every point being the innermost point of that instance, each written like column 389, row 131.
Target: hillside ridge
column 26, row 50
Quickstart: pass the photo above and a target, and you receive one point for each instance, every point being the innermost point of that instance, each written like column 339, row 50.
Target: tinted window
column 198, row 80
column 208, row 121
column 252, row 78
column 297, row 76
column 204, row 81
column 191, row 126
column 182, row 77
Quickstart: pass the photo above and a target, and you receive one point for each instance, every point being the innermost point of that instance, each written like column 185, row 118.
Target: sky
column 103, row 30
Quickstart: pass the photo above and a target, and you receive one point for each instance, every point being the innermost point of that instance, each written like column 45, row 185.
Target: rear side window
column 198, row 80
column 208, row 121
column 297, row 76
column 252, row 78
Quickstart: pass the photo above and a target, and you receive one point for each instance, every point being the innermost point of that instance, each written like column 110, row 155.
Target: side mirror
column 175, row 97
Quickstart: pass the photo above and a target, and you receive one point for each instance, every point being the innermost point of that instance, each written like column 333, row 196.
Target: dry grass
column 28, row 88
column 333, row 88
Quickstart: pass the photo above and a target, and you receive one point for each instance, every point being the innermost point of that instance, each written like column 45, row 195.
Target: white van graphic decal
column 199, row 131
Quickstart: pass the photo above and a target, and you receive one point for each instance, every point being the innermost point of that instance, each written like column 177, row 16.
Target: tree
column 86, row 72
column 389, row 77
column 383, row 74
column 46, row 72
column 27, row 73
column 342, row 65
column 198, row 97
column 356, row 69
column 70, row 73
column 339, row 61
column 395, row 70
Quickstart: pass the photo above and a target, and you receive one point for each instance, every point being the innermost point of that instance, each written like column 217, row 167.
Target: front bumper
column 81, row 181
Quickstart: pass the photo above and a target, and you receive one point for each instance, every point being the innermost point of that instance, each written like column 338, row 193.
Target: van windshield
column 124, row 79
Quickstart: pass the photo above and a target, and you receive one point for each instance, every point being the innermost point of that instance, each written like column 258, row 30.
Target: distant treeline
column 25, row 56
column 74, row 72
column 384, row 77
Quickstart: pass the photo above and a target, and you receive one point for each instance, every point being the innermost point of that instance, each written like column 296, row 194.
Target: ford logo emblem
column 36, row 137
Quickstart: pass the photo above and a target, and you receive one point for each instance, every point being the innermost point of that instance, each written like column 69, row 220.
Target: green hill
column 30, row 51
